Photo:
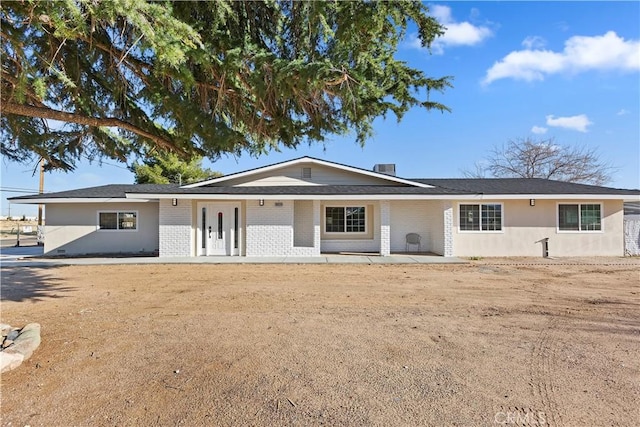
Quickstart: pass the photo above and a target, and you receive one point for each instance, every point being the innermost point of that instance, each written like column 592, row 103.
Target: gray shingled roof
column 305, row 190
column 486, row 186
column 521, row 186
column 111, row 191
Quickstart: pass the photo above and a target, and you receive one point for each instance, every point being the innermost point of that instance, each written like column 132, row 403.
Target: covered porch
column 303, row 227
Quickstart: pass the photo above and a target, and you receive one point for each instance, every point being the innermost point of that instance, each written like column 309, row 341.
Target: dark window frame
column 481, row 217
column 579, row 218
column 345, row 220
column 120, row 223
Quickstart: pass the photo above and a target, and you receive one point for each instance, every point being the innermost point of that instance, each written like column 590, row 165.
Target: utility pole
column 41, row 190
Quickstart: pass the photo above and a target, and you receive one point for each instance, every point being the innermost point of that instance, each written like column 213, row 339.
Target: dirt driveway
column 357, row 345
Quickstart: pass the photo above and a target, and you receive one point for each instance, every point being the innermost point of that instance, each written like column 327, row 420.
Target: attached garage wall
column 524, row 226
column 72, row 229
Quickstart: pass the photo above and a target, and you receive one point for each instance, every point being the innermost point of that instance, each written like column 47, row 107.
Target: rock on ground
column 23, row 346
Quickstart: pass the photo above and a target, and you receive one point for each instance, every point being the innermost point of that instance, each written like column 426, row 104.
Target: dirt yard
column 358, row 345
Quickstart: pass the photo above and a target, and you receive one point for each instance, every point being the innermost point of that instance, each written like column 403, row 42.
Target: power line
column 12, row 190
column 18, row 189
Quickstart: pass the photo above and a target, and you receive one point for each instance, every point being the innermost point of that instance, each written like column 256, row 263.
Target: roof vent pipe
column 385, row 168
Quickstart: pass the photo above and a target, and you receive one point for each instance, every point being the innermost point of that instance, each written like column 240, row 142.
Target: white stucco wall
column 303, row 223
column 524, row 226
column 72, row 229
column 424, row 217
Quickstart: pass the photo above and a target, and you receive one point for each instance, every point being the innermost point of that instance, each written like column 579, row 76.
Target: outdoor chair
column 412, row 239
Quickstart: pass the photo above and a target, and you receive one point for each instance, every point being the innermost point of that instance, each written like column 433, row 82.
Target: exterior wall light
column 532, row 202
column 261, row 202
column 174, row 202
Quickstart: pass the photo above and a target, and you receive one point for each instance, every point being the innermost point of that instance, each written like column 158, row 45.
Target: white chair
column 412, row 239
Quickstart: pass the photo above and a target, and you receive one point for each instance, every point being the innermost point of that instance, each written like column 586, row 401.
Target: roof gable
column 290, row 173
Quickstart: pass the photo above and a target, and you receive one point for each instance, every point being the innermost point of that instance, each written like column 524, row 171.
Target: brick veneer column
column 448, row 228
column 385, row 228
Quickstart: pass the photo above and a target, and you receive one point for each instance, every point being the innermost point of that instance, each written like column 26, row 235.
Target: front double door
column 219, row 229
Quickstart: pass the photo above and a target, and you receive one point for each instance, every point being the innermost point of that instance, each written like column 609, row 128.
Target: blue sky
column 563, row 70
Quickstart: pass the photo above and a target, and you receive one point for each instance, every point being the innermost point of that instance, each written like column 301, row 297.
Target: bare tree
column 528, row 158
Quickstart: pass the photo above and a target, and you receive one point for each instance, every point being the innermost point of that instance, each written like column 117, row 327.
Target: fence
column 632, row 237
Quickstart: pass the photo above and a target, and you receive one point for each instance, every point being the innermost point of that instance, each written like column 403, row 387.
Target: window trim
column 358, row 234
column 579, row 204
column 481, row 231
column 118, row 230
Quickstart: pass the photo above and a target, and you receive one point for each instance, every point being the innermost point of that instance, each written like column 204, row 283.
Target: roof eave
column 48, row 200
column 400, row 196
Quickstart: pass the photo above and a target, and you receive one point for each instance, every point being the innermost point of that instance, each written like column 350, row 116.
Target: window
column 470, row 217
column 203, row 236
column 118, row 221
column 481, row 217
column 579, row 217
column 108, row 220
column 345, row 219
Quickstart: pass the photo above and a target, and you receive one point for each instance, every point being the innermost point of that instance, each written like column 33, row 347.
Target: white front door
column 218, row 229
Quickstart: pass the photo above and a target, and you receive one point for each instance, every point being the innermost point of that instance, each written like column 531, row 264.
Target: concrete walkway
column 31, row 256
column 15, row 252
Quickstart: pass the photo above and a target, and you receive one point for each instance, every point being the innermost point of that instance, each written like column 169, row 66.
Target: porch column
column 316, row 227
column 447, row 212
column 385, row 228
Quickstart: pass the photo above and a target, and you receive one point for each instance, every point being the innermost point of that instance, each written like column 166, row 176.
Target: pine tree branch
column 63, row 116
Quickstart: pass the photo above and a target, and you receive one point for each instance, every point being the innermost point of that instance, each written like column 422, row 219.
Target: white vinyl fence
column 632, row 237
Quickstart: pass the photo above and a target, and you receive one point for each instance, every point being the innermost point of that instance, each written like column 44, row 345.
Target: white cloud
column 441, row 13
column 539, row 130
column 581, row 53
column 534, row 42
column 622, row 112
column 579, row 122
column 526, row 65
column 456, row 33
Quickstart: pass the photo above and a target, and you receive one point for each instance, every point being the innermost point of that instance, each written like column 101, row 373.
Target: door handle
column 209, row 231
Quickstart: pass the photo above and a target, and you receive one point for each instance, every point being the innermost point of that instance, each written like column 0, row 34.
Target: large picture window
column 345, row 219
column 579, row 217
column 481, row 217
column 125, row 220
